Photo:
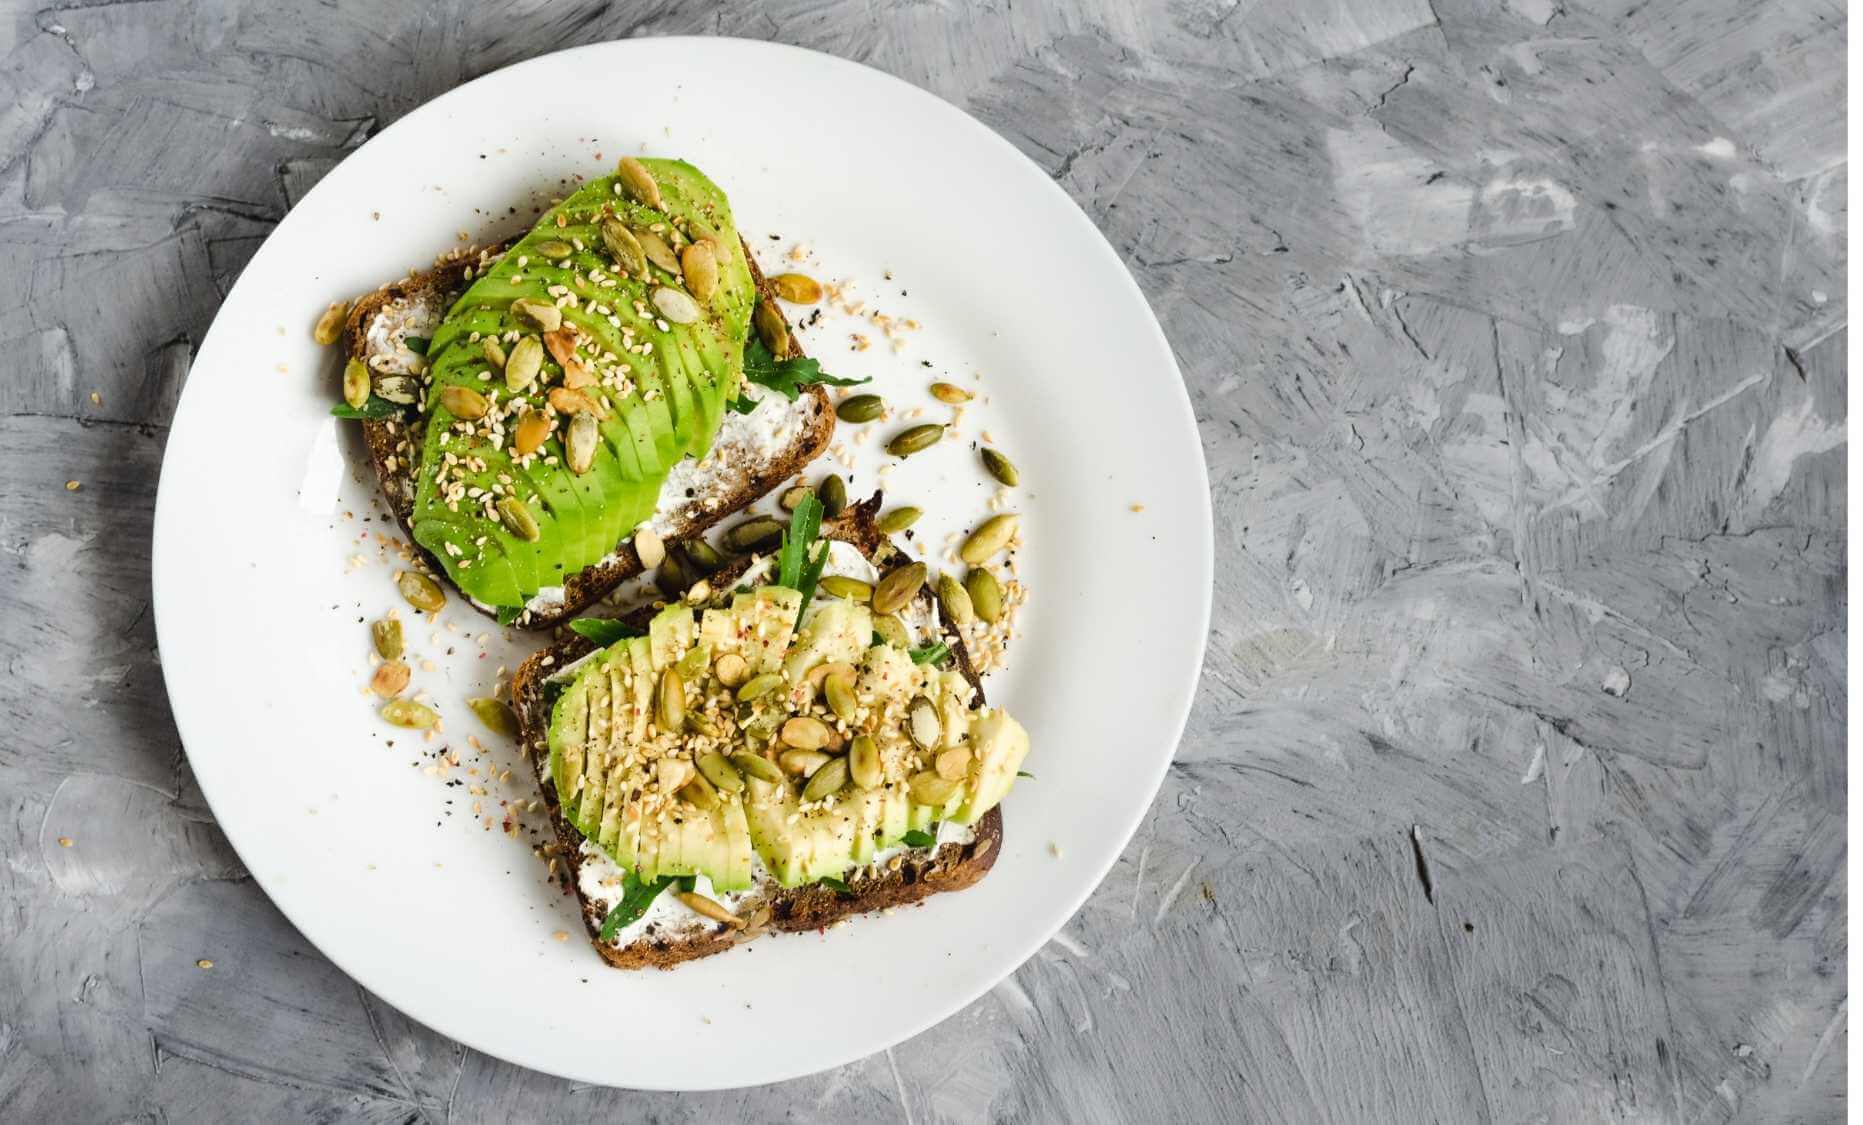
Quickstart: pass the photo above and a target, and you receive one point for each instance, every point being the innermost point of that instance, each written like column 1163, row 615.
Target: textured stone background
column 1516, row 786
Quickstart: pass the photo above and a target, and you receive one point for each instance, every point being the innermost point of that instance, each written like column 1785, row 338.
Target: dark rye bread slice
column 390, row 442
column 949, row 867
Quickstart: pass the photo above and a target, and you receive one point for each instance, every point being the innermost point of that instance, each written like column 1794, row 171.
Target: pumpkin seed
column 624, row 247
column 892, row 630
column 805, row 732
column 703, row 555
column 839, row 690
column 771, row 328
column 671, row 702
column 814, row 676
column 897, row 520
column 525, row 362
column 561, row 344
column 692, row 667
column 420, row 591
column 794, row 497
column 638, row 182
column 950, row 394
column 671, row 577
column 541, row 315
column 922, row 724
column 356, row 383
column 515, row 515
column 759, row 686
column 386, row 635
column 493, row 351
column 554, row 249
column 713, row 910
column 464, row 402
column 329, row 327
column 701, row 269
column 648, row 547
column 673, row 773
column 390, row 679
column 580, row 443
column 797, row 288
column 497, row 715
column 531, row 432
column 991, row 536
column 802, row 763
column 657, row 251
column 757, row 766
column 718, row 770
column 568, row 400
column 860, row 408
column 953, row 764
column 833, row 495
column 916, row 440
column 1001, row 467
column 731, row 669
column 756, row 534
column 928, row 788
column 675, row 306
column 407, row 713
column 897, row 587
column 825, row 782
column 841, row 586
column 699, row 793
column 398, row 389
column 986, row 594
column 955, row 600
column 863, row 762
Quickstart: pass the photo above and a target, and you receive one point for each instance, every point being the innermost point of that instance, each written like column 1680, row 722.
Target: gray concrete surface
column 1515, row 790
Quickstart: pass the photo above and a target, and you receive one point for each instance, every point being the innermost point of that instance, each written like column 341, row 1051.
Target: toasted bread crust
column 591, row 584
column 951, row 867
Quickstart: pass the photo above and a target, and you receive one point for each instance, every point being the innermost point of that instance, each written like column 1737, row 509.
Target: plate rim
column 1204, row 531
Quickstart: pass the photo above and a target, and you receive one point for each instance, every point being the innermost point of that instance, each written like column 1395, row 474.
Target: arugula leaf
column 932, row 654
column 509, row 613
column 804, row 525
column 918, row 839
column 375, row 407
column 686, row 883
column 603, row 631
column 416, row 343
column 811, row 577
column 786, row 376
column 742, row 405
column 636, row 897
column 835, row 884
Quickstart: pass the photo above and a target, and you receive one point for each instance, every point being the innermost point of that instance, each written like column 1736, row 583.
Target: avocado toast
column 543, row 415
column 727, row 773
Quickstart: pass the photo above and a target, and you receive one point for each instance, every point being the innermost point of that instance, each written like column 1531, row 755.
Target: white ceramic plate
column 266, row 567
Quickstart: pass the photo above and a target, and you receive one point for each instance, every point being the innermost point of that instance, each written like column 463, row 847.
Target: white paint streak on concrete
column 1796, row 433
column 1170, row 895
column 1405, row 204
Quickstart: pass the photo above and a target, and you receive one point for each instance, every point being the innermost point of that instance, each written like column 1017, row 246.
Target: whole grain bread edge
column 950, row 867
column 590, row 585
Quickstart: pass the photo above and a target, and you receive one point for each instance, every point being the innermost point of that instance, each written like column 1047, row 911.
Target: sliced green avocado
column 670, row 412
column 606, row 709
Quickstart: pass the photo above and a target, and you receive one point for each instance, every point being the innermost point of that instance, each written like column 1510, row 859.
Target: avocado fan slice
column 664, row 411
